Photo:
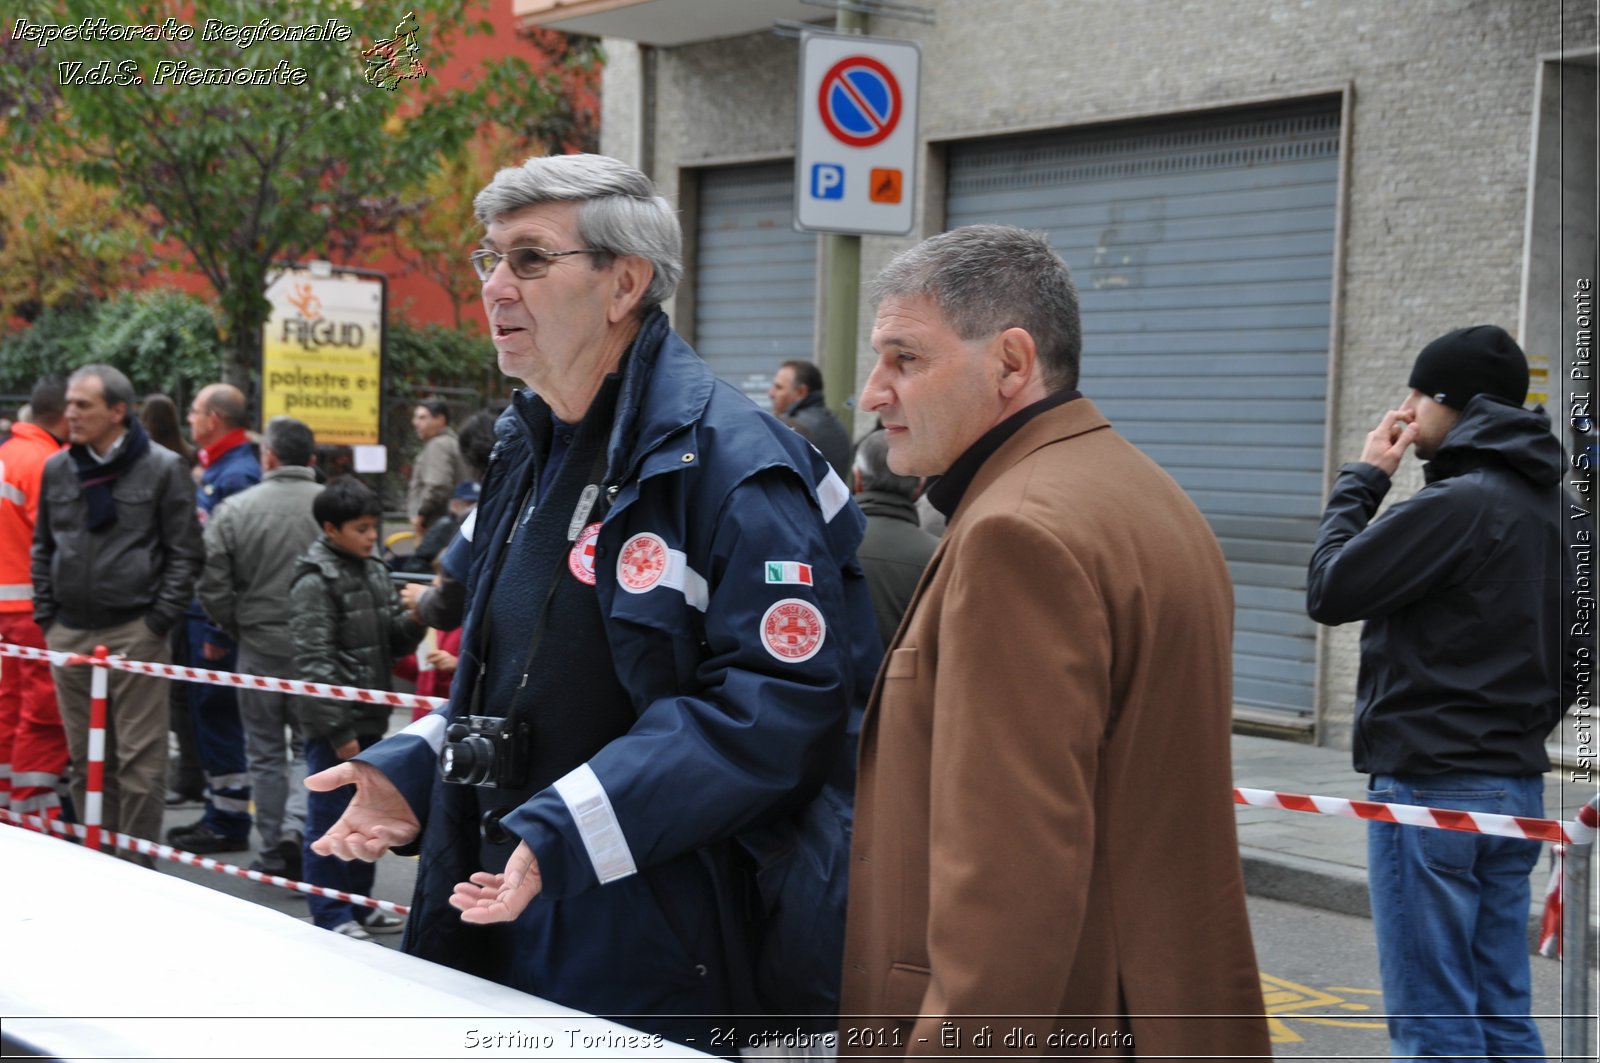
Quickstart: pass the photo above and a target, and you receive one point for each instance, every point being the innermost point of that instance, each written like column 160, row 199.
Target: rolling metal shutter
column 1203, row 254
column 755, row 276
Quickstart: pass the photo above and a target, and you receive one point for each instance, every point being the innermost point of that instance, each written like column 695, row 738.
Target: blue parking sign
column 827, row 181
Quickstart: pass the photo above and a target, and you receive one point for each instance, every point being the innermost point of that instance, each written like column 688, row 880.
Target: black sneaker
column 204, row 840
column 180, row 831
column 269, row 864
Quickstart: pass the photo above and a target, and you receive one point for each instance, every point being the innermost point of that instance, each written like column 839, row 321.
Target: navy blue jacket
column 236, row 469
column 739, row 623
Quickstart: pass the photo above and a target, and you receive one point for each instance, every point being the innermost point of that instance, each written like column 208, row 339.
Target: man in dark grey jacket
column 1465, row 668
column 796, row 393
column 252, row 542
column 115, row 554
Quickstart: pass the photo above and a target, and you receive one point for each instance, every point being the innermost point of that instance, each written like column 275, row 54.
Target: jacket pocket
column 1452, row 851
column 902, row 664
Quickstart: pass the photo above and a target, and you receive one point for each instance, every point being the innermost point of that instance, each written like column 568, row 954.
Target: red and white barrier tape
column 1581, row 831
column 167, row 852
column 232, row 679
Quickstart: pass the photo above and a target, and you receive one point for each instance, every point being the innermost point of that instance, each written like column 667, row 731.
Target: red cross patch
column 793, row 630
column 580, row 559
column 642, row 562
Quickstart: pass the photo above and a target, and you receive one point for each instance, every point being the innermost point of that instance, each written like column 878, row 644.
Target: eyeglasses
column 528, row 263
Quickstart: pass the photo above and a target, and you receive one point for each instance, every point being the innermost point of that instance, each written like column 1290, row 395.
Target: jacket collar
column 810, row 399
column 289, row 472
column 210, row 455
column 29, row 430
column 888, row 504
column 946, row 492
column 1074, row 418
column 665, row 388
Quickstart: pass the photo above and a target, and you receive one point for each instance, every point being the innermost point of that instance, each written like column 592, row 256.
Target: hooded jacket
column 1466, row 663
column 348, row 628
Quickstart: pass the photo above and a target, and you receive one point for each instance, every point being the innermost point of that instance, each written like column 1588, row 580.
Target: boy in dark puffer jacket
column 348, row 627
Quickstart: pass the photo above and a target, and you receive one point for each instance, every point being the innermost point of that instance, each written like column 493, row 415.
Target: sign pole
column 841, row 258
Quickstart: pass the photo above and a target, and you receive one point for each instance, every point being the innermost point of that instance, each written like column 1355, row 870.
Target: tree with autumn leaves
column 242, row 176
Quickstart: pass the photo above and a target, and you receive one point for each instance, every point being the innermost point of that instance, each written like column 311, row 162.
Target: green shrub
column 163, row 339
column 421, row 358
column 57, row 342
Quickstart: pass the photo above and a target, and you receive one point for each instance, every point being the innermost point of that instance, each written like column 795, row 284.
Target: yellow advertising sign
column 322, row 354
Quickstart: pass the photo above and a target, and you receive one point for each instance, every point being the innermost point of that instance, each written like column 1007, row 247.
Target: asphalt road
column 1319, row 976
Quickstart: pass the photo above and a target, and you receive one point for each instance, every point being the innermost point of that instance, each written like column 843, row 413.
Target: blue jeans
column 1450, row 910
column 323, row 811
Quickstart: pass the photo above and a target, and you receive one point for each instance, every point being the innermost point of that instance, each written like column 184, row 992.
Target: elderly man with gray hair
column 667, row 633
column 252, row 541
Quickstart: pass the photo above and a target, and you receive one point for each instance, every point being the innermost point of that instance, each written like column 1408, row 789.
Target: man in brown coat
column 1044, row 860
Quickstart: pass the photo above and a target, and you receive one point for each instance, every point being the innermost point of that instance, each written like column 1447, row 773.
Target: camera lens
column 467, row 761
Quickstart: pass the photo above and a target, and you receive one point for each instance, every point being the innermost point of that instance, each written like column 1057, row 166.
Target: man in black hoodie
column 1465, row 669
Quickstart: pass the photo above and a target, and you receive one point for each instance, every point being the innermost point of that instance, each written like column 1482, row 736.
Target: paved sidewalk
column 1321, row 861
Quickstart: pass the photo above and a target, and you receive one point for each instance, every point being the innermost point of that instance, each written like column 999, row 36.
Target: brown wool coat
column 1044, row 818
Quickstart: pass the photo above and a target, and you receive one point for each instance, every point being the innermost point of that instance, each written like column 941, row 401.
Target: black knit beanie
column 1481, row 360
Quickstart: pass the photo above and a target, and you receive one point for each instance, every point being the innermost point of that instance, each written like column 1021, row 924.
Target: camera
column 489, row 751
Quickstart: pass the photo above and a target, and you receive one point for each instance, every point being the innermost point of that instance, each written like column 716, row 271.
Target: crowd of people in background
column 118, row 529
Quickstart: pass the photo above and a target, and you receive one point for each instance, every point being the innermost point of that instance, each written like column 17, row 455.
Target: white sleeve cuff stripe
column 597, row 824
column 430, row 729
column 832, row 495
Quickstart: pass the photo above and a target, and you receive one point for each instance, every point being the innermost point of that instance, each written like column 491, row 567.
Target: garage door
column 755, row 277
column 1203, row 253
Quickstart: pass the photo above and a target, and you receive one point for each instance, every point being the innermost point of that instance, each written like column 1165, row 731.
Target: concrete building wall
column 1440, row 93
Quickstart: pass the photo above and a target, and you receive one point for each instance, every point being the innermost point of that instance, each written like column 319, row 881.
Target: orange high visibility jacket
column 22, row 459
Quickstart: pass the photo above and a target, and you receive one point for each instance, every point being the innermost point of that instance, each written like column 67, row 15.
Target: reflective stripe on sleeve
column 16, row 592
column 680, row 577
column 832, row 494
column 597, row 824
column 430, row 729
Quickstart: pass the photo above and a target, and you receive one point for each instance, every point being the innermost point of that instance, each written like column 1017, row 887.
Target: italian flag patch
column 788, row 572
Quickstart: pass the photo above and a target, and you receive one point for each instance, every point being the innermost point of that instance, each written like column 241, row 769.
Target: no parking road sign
column 856, row 164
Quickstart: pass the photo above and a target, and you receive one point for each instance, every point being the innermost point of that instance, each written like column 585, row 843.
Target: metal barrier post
column 1575, row 938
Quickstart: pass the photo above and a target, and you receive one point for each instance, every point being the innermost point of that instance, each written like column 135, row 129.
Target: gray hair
column 619, row 211
column 872, row 462
column 290, row 440
column 987, row 278
column 114, row 386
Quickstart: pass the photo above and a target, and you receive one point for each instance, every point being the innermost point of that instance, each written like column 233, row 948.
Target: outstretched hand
column 376, row 819
column 489, row 898
column 1388, row 443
